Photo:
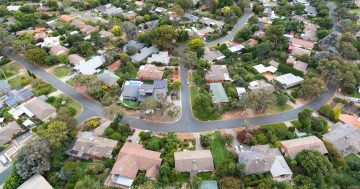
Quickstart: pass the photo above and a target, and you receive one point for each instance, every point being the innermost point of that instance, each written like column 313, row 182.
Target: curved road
column 187, row 123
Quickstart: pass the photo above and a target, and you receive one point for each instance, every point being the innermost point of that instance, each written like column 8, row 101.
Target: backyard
column 20, row 81
column 9, row 70
column 62, row 71
column 218, row 149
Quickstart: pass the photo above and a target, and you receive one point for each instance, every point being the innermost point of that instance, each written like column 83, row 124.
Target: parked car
column 3, row 159
column 132, row 132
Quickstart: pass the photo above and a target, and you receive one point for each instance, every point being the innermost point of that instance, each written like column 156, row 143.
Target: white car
column 3, row 159
column 241, row 148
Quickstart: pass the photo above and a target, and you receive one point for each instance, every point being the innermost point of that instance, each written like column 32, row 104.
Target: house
column 240, row 91
column 218, row 93
column 295, row 42
column 161, row 57
column 89, row 67
column 23, row 32
column 147, row 26
column 114, row 66
column 261, row 85
column 58, row 50
column 131, row 15
column 36, row 182
column 297, row 51
column 87, row 145
column 78, row 23
column 301, row 66
column 13, row 7
column 144, row 53
column 8, row 131
column 212, row 55
column 209, row 184
column 274, row 63
column 138, row 91
column 160, row 89
column 304, row 2
column 292, row 147
column 262, row 69
column 150, row 72
column 309, row 32
column 42, row 110
column 109, row 78
column 202, row 33
column 350, row 119
column 345, row 138
column 194, row 161
column 41, row 35
column 251, row 42
column 133, row 43
column 190, row 17
column 217, row 73
column 13, row 97
column 131, row 159
column 288, row 80
column 311, row 11
column 51, row 42
column 104, row 33
column 4, row 86
column 236, row 48
column 211, row 22
column 262, row 159
column 75, row 59
column 160, row 10
column 109, row 9
column 66, row 18
column 130, row 90
column 87, row 29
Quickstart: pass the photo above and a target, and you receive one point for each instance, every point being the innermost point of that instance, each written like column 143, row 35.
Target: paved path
column 187, row 122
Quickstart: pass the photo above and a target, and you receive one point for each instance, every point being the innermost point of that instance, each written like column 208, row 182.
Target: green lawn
column 20, row 81
column 356, row 11
column 282, row 108
column 42, row 88
column 352, row 157
column 72, row 103
column 200, row 115
column 356, row 95
column 131, row 104
column 9, row 70
column 62, row 71
column 218, row 149
column 71, row 81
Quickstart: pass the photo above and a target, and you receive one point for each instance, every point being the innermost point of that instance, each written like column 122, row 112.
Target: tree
column 147, row 185
column 182, row 35
column 86, row 48
column 117, row 30
column 197, row 45
column 264, row 100
column 87, row 183
column 244, row 34
column 262, row 50
column 270, row 184
column 36, row 55
column 13, row 181
column 185, row 4
column 348, row 83
column 335, row 156
column 348, row 50
column 205, row 140
column 163, row 35
column 311, row 88
column 299, row 8
column 129, row 28
column 190, row 59
column 229, row 183
column 162, row 103
column 178, row 10
column 316, row 166
column 202, row 105
column 275, row 34
column 330, row 70
column 65, row 116
column 33, row 158
column 55, row 133
column 148, row 104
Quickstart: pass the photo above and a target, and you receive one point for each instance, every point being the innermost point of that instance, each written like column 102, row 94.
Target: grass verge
column 62, row 71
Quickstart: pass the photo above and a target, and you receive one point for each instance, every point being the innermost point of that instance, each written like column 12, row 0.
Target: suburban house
column 309, row 32
column 144, row 53
column 13, row 97
column 58, row 50
column 108, row 9
column 34, row 107
column 301, row 66
column 264, row 159
column 161, row 57
column 87, row 29
column 8, row 131
column 218, row 93
column 345, row 138
column 295, row 42
column 51, row 42
column 66, row 18
column 150, row 72
column 75, row 59
column 87, row 145
column 114, row 66
column 133, row 43
column 311, row 11
column 297, row 51
column 288, row 80
column 104, row 33
column 292, row 147
column 217, row 73
column 131, row 159
column 211, row 22
column 89, row 67
column 78, row 23
column 138, row 91
column 237, row 48
column 108, row 77
column 251, row 42
column 212, row 55
column 36, row 182
column 4, row 86
column 260, row 68
column 240, row 91
column 190, row 17
column 261, row 85
column 194, row 161
column 147, row 26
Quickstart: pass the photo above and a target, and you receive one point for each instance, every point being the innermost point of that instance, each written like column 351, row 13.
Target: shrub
column 205, row 140
column 327, row 111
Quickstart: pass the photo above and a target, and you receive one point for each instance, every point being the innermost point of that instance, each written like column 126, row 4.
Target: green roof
column 218, row 93
column 209, row 184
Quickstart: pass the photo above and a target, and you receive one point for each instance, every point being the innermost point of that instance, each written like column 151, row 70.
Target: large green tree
column 36, row 55
column 229, row 183
column 311, row 88
column 163, row 35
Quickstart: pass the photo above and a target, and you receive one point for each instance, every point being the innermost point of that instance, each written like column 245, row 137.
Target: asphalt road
column 187, row 123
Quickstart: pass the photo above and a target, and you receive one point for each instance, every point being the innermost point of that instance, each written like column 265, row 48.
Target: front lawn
column 20, row 81
column 42, row 88
column 131, row 104
column 218, row 149
column 356, row 11
column 352, row 157
column 282, row 108
column 73, row 106
column 356, row 95
column 9, row 70
column 200, row 115
column 62, row 71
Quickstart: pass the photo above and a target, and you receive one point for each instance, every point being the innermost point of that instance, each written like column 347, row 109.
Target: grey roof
column 301, row 66
column 150, row 25
column 4, row 85
column 130, row 91
column 146, row 88
column 144, row 52
column 218, row 93
column 345, row 138
column 289, row 80
column 193, row 161
column 211, row 55
column 36, row 182
column 89, row 67
column 263, row 86
column 191, row 17
column 135, row 44
column 160, row 84
column 8, row 131
column 310, row 10
column 114, row 10
column 39, row 108
column 13, row 97
column 109, row 78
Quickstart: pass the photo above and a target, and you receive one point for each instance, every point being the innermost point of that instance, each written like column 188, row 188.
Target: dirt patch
column 183, row 136
column 302, row 101
column 239, row 114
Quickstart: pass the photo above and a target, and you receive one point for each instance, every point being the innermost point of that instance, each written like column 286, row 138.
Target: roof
column 217, row 73
column 262, row 69
column 89, row 67
column 150, row 72
column 162, row 57
column 251, row 42
column 104, row 33
column 13, row 97
column 191, row 17
column 109, row 78
column 264, row 159
column 39, row 108
column 78, row 23
column 35, row 182
column 294, row 146
column 4, row 85
column 149, row 25
column 289, row 80
column 160, row 89
column 87, row 144
column 310, row 10
column 132, row 158
column 301, row 66
column 89, row 29
column 345, row 138
column 135, row 44
column 211, row 55
column 302, row 43
column 349, row 119
column 114, row 66
column 190, row 161
column 66, row 18
column 211, row 22
column 144, row 52
column 218, row 93
column 208, row 184
column 8, row 131
column 261, row 85
column 58, row 50
column 236, row 48
column 297, row 51
column 75, row 59
column 274, row 63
